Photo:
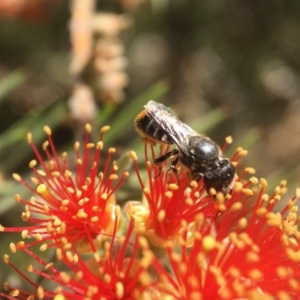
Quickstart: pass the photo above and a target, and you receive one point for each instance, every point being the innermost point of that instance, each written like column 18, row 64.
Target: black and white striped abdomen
column 148, row 127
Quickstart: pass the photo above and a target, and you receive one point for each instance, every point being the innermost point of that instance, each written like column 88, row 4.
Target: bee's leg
column 159, row 172
column 174, row 169
column 229, row 191
column 196, row 176
column 158, row 161
column 165, row 156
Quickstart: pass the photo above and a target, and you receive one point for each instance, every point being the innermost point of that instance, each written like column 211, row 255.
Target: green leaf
column 13, row 139
column 10, row 82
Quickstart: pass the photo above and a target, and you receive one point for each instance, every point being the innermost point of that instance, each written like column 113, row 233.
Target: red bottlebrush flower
column 119, row 272
column 214, row 247
column 245, row 258
column 169, row 201
column 71, row 206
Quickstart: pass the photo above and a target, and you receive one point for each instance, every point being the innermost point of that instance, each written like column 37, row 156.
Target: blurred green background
column 226, row 67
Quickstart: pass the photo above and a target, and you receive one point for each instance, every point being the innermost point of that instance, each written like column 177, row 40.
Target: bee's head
column 221, row 177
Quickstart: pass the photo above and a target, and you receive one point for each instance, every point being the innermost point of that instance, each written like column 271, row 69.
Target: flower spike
column 77, row 206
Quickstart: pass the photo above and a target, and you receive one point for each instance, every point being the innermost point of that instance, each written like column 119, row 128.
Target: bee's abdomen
column 147, row 127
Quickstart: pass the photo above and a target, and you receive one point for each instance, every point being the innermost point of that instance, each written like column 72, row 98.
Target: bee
column 198, row 153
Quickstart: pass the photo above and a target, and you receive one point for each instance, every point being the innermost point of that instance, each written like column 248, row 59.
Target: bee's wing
column 167, row 119
column 155, row 108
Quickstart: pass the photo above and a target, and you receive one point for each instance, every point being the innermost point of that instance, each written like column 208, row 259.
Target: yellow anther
column 229, row 139
column 47, row 130
column 104, row 129
column 41, row 188
column 250, row 170
column 16, row 177
column 208, row 243
column 111, row 150
column 132, row 155
column 88, row 127
column 161, row 215
column 29, row 138
column 263, row 183
column 247, row 192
